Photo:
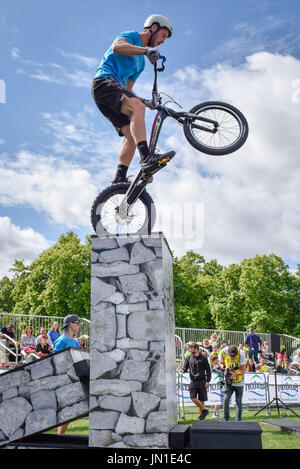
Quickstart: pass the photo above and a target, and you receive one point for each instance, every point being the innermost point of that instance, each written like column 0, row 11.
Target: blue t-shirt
column 122, row 67
column 64, row 342
column 53, row 336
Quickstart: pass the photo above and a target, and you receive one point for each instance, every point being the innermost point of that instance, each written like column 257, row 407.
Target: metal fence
column 21, row 321
column 231, row 337
column 182, row 335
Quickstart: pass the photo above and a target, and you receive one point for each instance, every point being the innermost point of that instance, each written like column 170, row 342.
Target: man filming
column 233, row 361
column 200, row 375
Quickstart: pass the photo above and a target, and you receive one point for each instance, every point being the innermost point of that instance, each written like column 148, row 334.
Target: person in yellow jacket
column 233, row 360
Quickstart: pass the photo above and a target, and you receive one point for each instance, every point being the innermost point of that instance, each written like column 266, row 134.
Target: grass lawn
column 271, row 437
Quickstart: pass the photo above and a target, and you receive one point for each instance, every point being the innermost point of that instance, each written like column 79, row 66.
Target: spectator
column 8, row 331
column 215, row 352
column 286, row 364
column 188, row 352
column 250, row 366
column 253, row 341
column 71, row 328
column 223, row 344
column 214, row 340
column 43, row 334
column 295, row 365
column 54, row 332
column 265, row 353
column 279, row 367
column 43, row 348
column 216, row 368
column 282, row 346
column 246, row 351
column 262, row 366
column 208, row 348
column 82, row 342
column 28, row 341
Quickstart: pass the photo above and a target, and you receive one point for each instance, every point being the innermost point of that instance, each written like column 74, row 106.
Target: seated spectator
column 215, row 352
column 43, row 348
column 207, row 346
column 9, row 330
column 279, row 356
column 223, row 344
column 82, row 342
column 250, row 366
column 286, row 364
column 214, row 339
column 282, row 345
column 262, row 366
column 246, row 350
column 54, row 332
column 28, row 341
column 295, row 365
column 43, row 334
column 279, row 367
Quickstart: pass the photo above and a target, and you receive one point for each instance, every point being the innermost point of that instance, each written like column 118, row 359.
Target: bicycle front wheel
column 227, row 133
column 107, row 218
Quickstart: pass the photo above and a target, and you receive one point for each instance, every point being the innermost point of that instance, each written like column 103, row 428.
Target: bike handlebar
column 163, row 59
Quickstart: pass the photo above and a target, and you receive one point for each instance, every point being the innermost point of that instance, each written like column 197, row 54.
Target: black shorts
column 108, row 95
column 198, row 390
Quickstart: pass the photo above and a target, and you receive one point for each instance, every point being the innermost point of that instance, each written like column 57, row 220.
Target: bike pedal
column 164, row 161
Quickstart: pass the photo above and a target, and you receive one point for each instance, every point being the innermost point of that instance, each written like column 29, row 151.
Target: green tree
column 57, row 283
column 192, row 286
column 6, row 300
column 260, row 292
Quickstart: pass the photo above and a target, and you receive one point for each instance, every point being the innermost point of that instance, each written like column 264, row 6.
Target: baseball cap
column 70, row 318
column 233, row 350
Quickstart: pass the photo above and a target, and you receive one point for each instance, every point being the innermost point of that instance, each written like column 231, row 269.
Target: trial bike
column 213, row 128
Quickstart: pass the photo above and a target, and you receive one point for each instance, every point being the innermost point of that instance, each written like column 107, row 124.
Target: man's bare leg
column 200, row 405
column 128, row 147
column 62, row 429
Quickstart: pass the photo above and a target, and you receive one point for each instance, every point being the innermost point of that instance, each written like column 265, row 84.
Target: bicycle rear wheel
column 107, row 219
column 227, row 137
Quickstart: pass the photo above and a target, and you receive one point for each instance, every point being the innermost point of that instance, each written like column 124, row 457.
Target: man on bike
column 112, row 92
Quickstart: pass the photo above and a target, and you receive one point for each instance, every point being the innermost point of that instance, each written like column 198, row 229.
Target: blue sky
column 57, row 151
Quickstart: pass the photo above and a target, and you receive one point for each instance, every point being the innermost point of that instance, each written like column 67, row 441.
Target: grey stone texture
column 41, row 395
column 131, row 398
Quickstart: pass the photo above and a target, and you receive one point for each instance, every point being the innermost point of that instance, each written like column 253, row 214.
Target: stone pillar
column 132, row 354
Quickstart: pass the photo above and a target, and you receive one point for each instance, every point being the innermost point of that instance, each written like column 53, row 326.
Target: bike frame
column 135, row 189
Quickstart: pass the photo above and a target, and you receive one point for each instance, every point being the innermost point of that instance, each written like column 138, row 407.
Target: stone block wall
column 41, row 395
column 133, row 377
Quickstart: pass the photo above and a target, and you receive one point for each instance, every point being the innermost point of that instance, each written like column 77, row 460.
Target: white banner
column 255, row 389
column 288, row 388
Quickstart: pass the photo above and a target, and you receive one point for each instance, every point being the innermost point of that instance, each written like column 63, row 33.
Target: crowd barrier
column 259, row 389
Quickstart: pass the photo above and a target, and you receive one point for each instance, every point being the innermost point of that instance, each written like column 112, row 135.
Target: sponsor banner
column 255, row 389
column 288, row 388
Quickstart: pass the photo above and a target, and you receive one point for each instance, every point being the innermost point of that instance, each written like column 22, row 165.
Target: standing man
column 233, row 361
column 71, row 329
column 112, row 92
column 253, row 341
column 200, row 375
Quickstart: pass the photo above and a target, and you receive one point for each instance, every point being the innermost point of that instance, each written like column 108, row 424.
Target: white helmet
column 162, row 22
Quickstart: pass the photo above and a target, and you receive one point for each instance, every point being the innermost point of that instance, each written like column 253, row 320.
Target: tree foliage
column 260, row 292
column 57, row 283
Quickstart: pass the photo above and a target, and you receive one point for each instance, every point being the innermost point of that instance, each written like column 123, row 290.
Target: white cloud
column 56, row 73
column 60, row 189
column 17, row 243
